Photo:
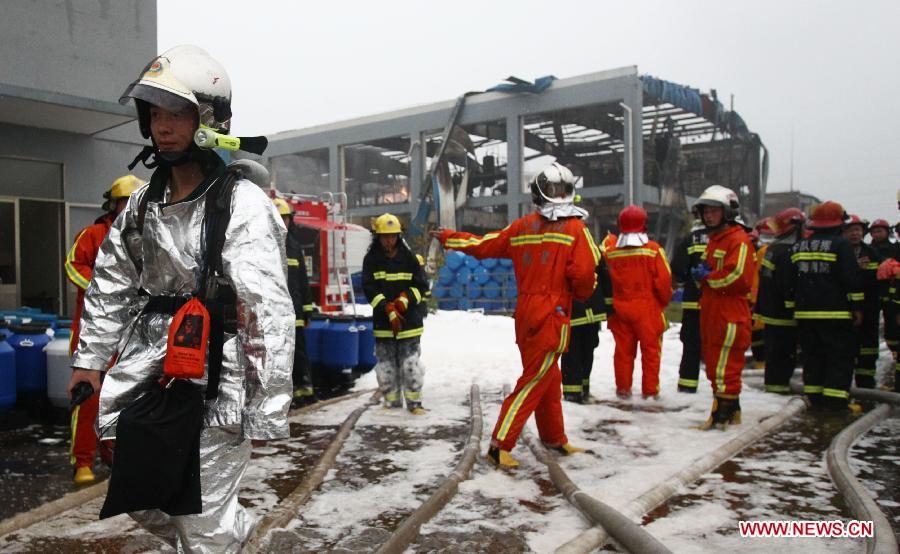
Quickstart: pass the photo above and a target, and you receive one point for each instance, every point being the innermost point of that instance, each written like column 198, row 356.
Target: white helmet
column 718, row 195
column 183, row 76
column 554, row 184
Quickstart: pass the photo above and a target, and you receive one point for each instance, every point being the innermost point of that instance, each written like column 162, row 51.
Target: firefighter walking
column 690, row 253
column 726, row 277
column 770, row 308
column 641, row 289
column 578, row 361
column 394, row 282
column 822, row 286
column 554, row 258
column 79, row 270
column 868, row 260
column 298, row 286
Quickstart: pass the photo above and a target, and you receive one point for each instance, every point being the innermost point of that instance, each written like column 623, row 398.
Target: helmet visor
column 156, row 96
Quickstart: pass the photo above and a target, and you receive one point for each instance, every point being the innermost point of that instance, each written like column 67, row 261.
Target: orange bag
column 188, row 339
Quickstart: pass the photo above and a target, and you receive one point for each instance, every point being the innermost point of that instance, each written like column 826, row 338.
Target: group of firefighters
column 202, row 231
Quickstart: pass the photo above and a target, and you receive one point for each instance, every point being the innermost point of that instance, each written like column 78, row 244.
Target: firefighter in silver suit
column 151, row 259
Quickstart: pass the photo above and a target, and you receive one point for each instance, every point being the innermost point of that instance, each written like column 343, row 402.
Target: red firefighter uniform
column 642, row 286
column 554, row 262
column 79, row 269
column 724, row 309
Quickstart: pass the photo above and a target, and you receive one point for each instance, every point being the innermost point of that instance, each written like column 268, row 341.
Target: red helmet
column 880, row 223
column 827, row 214
column 764, row 227
column 856, row 220
column 787, row 221
column 633, row 219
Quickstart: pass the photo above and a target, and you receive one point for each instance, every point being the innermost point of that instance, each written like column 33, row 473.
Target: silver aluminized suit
column 255, row 387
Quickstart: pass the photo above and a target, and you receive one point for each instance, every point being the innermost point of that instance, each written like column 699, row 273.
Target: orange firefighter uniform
column 79, row 269
column 642, row 287
column 724, row 309
column 554, row 262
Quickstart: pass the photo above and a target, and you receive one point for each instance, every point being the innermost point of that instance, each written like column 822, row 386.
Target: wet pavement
column 35, row 468
column 781, row 477
column 875, row 460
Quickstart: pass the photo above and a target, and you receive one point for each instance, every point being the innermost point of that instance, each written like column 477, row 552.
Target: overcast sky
column 827, row 70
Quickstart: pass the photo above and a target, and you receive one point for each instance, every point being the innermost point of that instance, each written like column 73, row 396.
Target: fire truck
column 334, row 248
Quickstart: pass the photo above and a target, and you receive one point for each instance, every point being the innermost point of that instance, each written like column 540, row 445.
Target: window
column 303, row 173
column 377, row 172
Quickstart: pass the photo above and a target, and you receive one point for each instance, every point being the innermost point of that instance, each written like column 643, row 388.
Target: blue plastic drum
column 472, row 262
column 481, row 275
column 7, row 376
column 490, row 263
column 313, row 334
column 366, row 331
column 474, row 291
column 454, row 259
column 29, row 341
column 447, row 305
column 491, row 289
column 340, row 344
column 464, row 275
column 446, row 275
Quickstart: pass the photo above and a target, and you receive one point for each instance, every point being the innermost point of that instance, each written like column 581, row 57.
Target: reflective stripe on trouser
column 689, row 370
column 537, row 391
column 399, row 371
column 302, row 373
column 827, row 354
column 628, row 333
column 866, row 350
column 781, row 357
column 83, row 443
column 224, row 524
column 576, row 363
column 724, row 346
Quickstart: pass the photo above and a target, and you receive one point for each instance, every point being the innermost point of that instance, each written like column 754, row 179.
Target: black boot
column 575, row 397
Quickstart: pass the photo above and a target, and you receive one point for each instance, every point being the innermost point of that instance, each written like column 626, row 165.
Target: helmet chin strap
column 166, row 159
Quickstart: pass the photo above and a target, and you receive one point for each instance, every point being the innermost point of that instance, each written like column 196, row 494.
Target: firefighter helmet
column 554, row 184
column 717, row 195
column 787, row 220
column 181, row 77
column 827, row 214
column 284, row 208
column 386, row 224
column 880, row 223
column 121, row 188
column 764, row 227
column 856, row 220
column 633, row 219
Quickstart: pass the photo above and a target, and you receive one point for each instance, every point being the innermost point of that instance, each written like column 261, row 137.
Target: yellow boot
column 84, row 475
column 567, row 449
column 501, row 458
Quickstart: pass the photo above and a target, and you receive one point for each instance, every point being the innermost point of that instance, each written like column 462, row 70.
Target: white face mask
column 632, row 239
column 554, row 211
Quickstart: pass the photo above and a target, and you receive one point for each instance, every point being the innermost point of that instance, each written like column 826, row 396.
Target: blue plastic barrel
column 472, row 262
column 463, row 275
column 454, row 259
column 340, row 343
column 490, row 263
column 510, row 290
column 366, row 332
column 446, row 275
column 474, row 291
column 465, row 303
column 313, row 335
column 31, row 361
column 447, row 305
column 491, row 289
column 7, row 376
column 440, row 291
column 506, row 262
column 481, row 275
column 456, row 291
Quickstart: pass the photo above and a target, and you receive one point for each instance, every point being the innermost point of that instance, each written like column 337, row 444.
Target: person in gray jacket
column 152, row 260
